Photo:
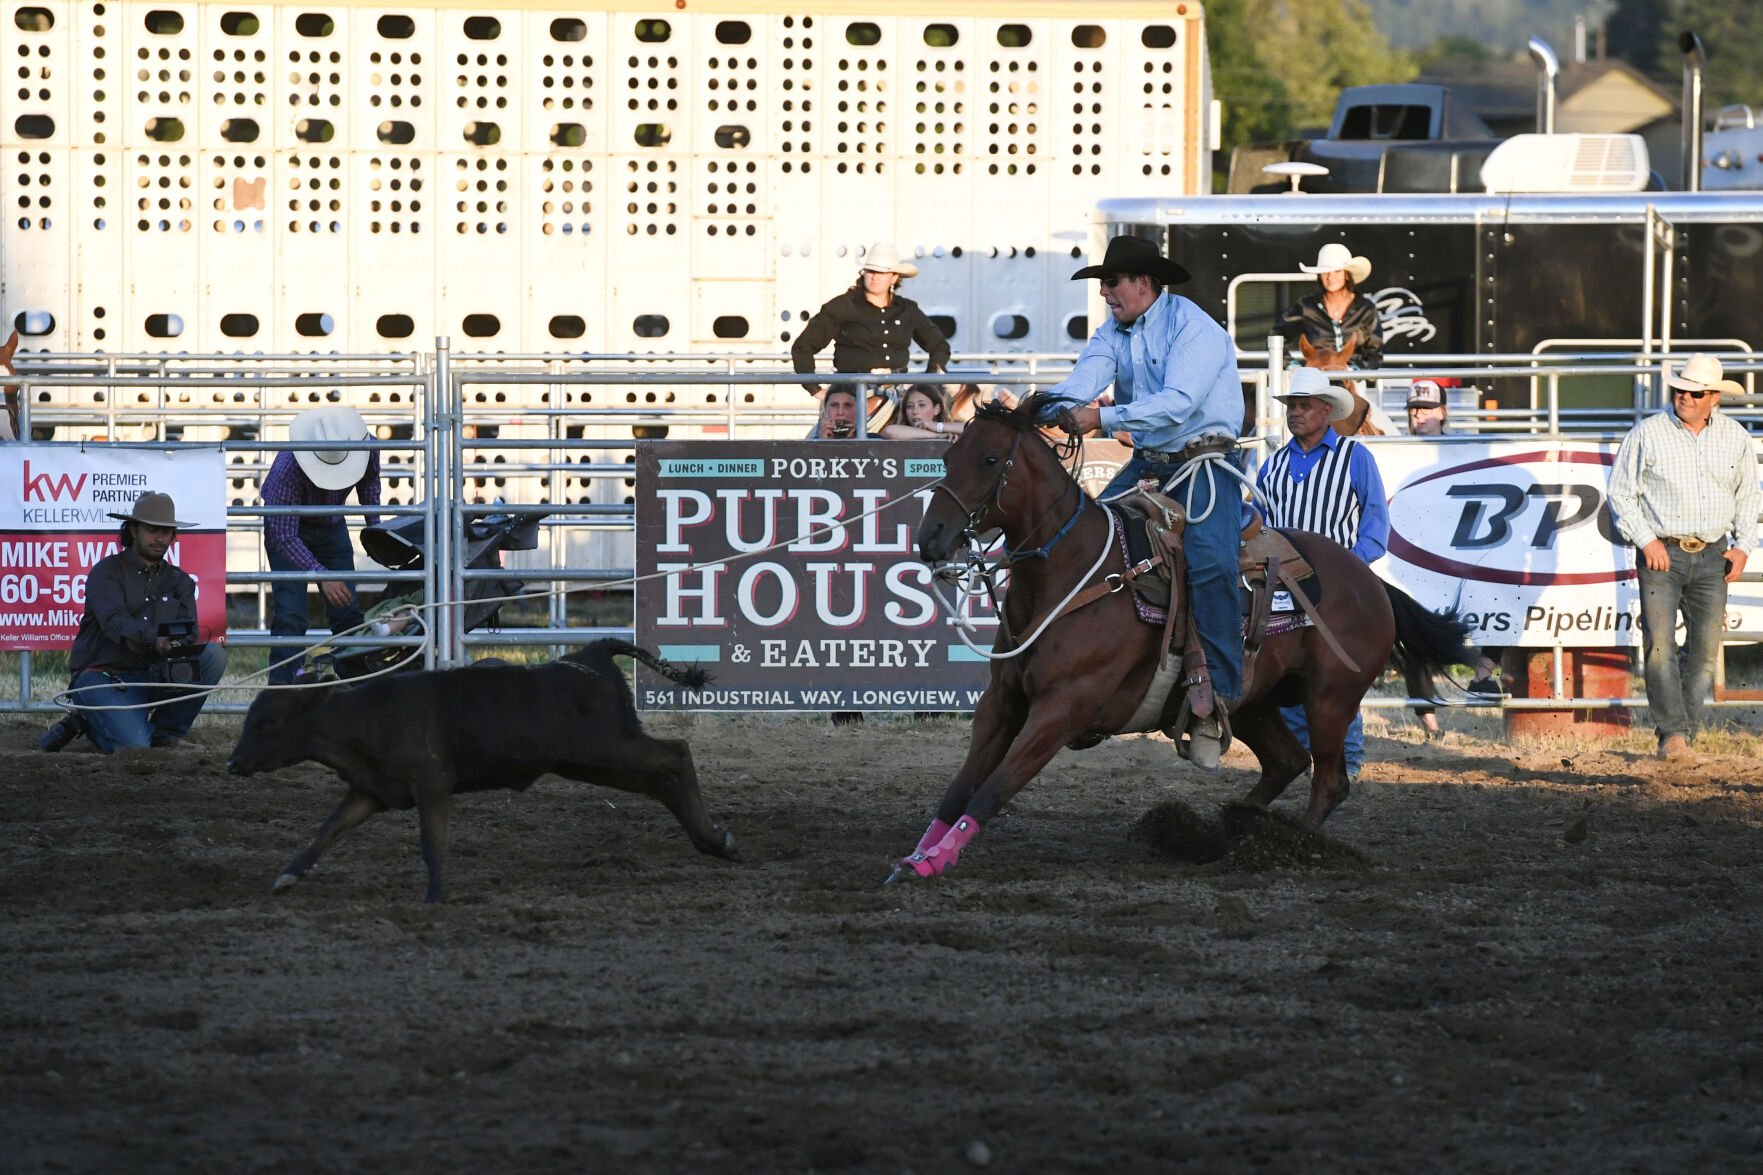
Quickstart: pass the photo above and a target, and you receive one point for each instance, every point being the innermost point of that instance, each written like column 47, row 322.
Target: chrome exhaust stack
column 1693, row 59
column 1548, row 69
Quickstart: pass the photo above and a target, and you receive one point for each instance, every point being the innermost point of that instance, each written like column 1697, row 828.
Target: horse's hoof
column 285, row 881
column 899, row 871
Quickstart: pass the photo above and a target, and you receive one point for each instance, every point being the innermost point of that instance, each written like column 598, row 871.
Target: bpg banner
column 56, row 523
column 1518, row 535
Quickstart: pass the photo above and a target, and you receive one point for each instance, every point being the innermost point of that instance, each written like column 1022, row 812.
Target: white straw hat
column 1703, row 373
column 1337, row 256
column 328, row 468
column 1309, row 381
column 884, row 258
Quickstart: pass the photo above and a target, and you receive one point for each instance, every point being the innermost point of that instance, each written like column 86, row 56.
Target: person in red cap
column 1428, row 413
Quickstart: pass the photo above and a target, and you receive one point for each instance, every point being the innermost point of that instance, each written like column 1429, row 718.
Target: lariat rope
column 978, row 576
column 187, row 692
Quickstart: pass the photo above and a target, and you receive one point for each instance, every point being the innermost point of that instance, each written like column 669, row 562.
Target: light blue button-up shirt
column 1174, row 372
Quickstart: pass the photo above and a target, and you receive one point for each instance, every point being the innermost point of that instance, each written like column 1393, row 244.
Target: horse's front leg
column 1047, row 727
column 996, row 720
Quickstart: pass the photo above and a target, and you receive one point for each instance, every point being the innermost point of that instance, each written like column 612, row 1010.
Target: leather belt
column 1209, row 444
column 1689, row 545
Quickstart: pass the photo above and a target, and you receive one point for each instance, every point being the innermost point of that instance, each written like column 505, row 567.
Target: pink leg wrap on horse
column 937, row 830
column 941, row 857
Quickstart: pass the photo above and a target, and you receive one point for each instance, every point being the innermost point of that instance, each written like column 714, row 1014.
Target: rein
column 979, row 576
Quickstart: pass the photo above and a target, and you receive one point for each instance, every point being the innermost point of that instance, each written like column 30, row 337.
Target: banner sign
column 55, row 524
column 1518, row 535
column 839, row 620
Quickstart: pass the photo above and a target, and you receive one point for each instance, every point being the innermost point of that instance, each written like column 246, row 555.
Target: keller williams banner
column 55, row 524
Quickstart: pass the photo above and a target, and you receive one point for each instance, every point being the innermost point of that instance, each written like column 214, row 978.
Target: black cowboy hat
column 1127, row 255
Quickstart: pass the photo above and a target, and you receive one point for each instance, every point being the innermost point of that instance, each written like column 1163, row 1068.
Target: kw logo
column 35, row 487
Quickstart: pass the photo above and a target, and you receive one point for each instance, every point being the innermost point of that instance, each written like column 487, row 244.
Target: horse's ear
column 1346, row 352
column 9, row 348
column 1304, row 346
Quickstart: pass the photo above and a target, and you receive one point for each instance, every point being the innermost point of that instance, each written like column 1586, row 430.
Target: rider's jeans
column 1211, row 549
column 1678, row 682
column 1299, row 724
column 329, row 543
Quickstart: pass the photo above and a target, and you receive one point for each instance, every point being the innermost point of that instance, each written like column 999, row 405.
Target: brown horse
column 10, row 391
column 1085, row 672
column 1358, row 422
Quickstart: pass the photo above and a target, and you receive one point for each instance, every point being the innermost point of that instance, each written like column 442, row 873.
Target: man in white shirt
column 1684, row 491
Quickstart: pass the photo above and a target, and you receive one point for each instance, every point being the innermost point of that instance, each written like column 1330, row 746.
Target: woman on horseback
column 1336, row 317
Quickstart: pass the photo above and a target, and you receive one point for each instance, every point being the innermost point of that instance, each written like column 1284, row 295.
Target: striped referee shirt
column 1333, row 489
column 1669, row 482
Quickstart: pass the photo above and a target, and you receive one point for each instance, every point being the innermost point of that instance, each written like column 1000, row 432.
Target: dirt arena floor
column 1542, row 961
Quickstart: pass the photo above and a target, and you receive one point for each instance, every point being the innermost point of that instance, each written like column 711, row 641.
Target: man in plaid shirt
column 318, row 476
column 1684, row 491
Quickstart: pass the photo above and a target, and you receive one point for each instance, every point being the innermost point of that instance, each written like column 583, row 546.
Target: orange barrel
column 1586, row 673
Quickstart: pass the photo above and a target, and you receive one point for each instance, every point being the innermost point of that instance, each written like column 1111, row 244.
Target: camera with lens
column 183, row 664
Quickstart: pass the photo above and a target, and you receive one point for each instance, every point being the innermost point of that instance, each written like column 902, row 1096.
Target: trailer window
column 1387, row 122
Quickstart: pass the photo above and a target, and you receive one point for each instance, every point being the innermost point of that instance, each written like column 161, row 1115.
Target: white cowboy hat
column 884, row 258
column 1337, row 256
column 1703, row 374
column 1309, row 381
column 328, row 468
column 154, row 509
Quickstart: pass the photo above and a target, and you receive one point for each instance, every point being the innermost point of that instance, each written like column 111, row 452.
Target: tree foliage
column 1732, row 34
column 1278, row 65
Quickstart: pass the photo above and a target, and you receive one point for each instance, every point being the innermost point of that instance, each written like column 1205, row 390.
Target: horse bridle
column 996, row 494
column 974, row 514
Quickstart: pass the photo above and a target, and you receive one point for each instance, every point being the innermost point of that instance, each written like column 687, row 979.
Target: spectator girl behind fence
column 923, row 414
column 1336, row 314
column 872, row 327
column 316, row 476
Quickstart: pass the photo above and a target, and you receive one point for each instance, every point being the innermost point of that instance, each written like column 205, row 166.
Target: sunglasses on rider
column 1692, row 395
column 1108, row 283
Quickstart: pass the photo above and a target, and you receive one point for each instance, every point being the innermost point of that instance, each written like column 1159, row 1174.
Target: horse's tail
column 1427, row 640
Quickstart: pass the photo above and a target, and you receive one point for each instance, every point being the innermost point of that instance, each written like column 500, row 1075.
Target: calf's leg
column 661, row 768
column 432, row 809
column 357, row 806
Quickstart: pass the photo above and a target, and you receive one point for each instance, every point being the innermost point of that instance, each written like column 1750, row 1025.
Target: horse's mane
column 1031, row 414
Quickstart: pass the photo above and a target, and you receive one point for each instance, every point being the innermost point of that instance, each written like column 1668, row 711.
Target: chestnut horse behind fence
column 9, row 427
column 1359, row 422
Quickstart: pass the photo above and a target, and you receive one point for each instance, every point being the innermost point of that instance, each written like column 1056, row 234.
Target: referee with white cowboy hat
column 316, row 475
column 1684, row 491
column 1328, row 484
column 1336, row 315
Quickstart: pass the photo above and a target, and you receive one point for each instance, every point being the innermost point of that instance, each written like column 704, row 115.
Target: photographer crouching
column 138, row 638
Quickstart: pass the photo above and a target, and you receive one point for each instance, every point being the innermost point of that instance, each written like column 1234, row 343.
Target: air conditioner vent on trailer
column 1568, row 163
